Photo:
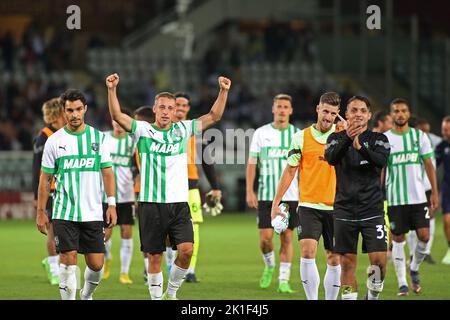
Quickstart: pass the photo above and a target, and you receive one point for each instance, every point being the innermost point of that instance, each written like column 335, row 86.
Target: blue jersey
column 442, row 154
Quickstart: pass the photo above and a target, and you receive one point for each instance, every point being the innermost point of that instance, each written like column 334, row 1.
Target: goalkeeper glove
column 212, row 205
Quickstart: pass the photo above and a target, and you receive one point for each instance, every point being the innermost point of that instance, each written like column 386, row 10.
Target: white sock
column 419, row 255
column 430, row 242
column 146, row 264
column 155, row 285
column 170, row 256
column 176, row 278
column 350, row 296
column 398, row 257
column 108, row 245
column 285, row 272
column 67, row 282
column 53, row 262
column 91, row 280
column 332, row 282
column 412, row 241
column 310, row 278
column 373, row 295
column 126, row 253
column 269, row 259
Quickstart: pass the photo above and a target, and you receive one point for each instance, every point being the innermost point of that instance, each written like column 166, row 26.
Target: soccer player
column 443, row 157
column 407, row 202
column 269, row 150
column 382, row 122
column 122, row 148
column 78, row 158
column 163, row 198
column 317, row 189
column 144, row 113
column 182, row 104
column 358, row 156
column 424, row 125
column 54, row 120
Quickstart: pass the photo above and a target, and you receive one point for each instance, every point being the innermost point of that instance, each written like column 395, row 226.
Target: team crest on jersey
column 366, row 144
column 94, row 146
column 177, row 134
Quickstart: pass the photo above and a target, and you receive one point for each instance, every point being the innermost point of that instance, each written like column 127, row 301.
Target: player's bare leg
column 286, row 253
column 266, row 246
column 348, row 279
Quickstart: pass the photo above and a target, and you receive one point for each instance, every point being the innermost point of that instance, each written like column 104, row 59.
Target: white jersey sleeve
column 105, row 153
column 49, row 157
column 255, row 145
column 426, row 151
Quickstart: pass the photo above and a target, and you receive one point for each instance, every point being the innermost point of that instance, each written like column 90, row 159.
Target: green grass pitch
column 229, row 266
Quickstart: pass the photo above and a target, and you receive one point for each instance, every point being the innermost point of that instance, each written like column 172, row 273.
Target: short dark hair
column 145, row 113
column 182, row 95
column 360, row 98
column 422, row 121
column 73, row 95
column 380, row 116
column 399, row 101
column 446, row 119
column 331, row 98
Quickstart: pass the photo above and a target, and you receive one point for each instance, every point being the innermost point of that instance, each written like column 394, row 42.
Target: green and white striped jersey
column 122, row 156
column 163, row 161
column 404, row 179
column 76, row 160
column 271, row 146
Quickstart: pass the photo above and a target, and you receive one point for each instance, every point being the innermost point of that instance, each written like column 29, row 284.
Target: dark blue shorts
column 445, row 198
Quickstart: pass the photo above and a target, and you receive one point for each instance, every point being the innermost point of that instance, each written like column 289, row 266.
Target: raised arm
column 216, row 112
column 124, row 120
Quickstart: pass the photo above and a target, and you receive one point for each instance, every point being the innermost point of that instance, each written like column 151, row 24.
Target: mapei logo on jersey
column 405, row 158
column 277, row 153
column 94, row 146
column 164, row 148
column 79, row 163
column 121, row 161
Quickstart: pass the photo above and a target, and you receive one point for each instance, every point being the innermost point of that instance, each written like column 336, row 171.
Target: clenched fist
column 112, row 81
column 224, row 83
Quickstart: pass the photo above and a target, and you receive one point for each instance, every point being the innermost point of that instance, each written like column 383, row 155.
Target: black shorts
column 373, row 232
column 83, row 237
column 408, row 217
column 125, row 213
column 49, row 208
column 157, row 220
column 315, row 223
column 264, row 218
